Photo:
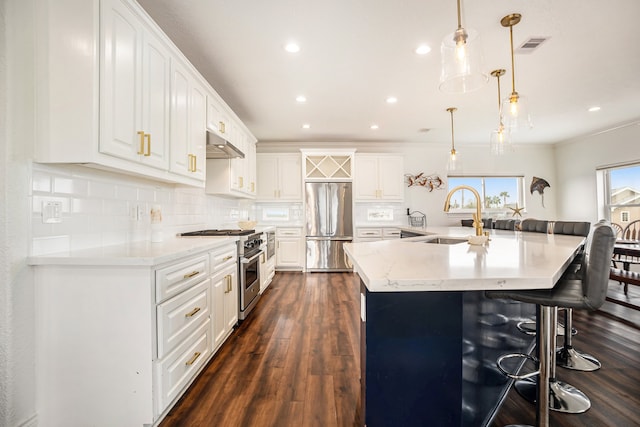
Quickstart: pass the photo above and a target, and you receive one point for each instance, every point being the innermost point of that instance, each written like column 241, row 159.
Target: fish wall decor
column 431, row 182
column 539, row 184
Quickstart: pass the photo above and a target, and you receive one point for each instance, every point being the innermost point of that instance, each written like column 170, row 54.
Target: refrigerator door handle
column 327, row 190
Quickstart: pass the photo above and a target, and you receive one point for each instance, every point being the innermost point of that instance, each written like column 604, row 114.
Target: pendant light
column 514, row 107
column 462, row 61
column 454, row 164
column 500, row 137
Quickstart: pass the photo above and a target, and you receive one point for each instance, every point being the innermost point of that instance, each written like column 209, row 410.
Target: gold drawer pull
column 227, row 258
column 193, row 358
column 192, row 312
column 193, row 273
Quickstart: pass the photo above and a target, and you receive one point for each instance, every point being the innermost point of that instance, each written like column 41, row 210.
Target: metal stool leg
column 563, row 397
column 570, row 358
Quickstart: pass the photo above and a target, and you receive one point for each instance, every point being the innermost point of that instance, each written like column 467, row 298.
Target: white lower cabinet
column 370, row 234
column 224, row 304
column 289, row 248
column 267, row 271
column 119, row 343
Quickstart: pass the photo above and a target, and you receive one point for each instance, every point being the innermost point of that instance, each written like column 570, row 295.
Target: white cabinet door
column 134, row 89
column 224, row 304
column 391, row 177
column 188, row 123
column 279, row 177
column 366, row 177
column 290, row 177
column 231, row 299
column 217, row 120
column 120, row 91
column 379, row 177
column 289, row 248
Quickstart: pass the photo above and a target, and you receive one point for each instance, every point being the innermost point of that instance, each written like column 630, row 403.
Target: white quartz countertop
column 136, row 253
column 510, row 260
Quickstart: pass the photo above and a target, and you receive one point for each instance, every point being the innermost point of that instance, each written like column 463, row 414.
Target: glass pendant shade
column 515, row 113
column 500, row 141
column 462, row 63
column 462, row 60
column 454, row 164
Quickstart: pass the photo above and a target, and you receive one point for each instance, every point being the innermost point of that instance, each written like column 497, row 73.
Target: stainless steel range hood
column 220, row 148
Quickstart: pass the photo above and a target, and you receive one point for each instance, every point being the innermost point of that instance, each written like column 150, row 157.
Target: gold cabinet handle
column 253, row 187
column 193, row 273
column 227, row 258
column 240, row 181
column 195, row 163
column 192, row 312
column 148, row 152
column 141, row 135
column 221, row 127
column 193, row 358
column 263, row 258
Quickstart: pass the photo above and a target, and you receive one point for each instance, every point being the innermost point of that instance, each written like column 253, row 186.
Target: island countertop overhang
column 510, row 260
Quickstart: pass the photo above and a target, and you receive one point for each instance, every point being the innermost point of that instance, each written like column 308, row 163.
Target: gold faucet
column 477, row 217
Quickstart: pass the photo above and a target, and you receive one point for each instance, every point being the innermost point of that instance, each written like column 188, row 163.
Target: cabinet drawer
column 176, row 278
column 369, row 232
column 289, row 232
column 391, row 233
column 181, row 315
column 221, row 258
column 177, row 370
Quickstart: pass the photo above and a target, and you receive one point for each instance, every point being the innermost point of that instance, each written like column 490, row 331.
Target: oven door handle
column 244, row 260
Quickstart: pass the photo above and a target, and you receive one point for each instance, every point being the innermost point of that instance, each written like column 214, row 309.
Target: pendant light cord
column 513, row 66
column 459, row 17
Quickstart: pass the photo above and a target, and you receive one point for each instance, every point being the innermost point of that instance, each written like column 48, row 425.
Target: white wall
column 536, row 160
column 17, row 380
column 576, row 163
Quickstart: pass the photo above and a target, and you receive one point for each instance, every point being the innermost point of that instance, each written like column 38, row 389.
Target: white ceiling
column 356, row 53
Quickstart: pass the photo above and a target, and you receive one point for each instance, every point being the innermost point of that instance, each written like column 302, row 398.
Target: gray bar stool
column 567, row 356
column 587, row 292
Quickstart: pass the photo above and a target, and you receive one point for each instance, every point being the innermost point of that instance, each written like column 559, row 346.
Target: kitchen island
column 429, row 338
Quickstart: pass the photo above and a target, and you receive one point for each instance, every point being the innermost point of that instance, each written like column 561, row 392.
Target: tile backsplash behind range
column 100, row 208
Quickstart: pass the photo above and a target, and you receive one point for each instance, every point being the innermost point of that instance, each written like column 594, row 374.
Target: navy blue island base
column 428, row 358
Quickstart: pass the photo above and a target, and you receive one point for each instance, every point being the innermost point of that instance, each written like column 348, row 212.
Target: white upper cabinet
column 279, row 177
column 188, row 123
column 217, row 119
column 379, row 177
column 114, row 92
column 135, row 81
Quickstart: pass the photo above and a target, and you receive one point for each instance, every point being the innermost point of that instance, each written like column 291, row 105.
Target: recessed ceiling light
column 423, row 49
column 306, row 126
column 594, row 109
column 374, row 127
column 301, row 98
column 392, row 100
column 292, row 47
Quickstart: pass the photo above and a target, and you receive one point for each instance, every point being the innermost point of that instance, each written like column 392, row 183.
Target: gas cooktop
column 229, row 232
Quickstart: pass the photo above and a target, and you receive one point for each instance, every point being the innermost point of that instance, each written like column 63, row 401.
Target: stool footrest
column 514, row 375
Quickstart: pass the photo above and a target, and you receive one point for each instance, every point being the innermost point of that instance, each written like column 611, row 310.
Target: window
column 622, row 193
column 624, row 216
column 497, row 193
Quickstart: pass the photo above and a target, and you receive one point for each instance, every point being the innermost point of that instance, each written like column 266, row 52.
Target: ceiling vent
column 531, row 44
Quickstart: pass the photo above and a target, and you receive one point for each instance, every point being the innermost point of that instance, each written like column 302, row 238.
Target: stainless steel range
column 248, row 265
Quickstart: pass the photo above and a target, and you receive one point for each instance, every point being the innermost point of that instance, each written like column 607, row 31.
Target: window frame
column 520, row 197
column 605, row 200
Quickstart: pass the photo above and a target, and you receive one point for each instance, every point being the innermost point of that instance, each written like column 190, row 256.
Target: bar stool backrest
column 573, row 228
column 534, row 225
column 596, row 278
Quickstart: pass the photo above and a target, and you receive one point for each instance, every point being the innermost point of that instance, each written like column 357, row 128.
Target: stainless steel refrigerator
column 329, row 224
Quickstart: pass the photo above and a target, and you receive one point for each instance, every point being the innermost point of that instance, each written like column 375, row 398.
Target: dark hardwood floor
column 295, row 362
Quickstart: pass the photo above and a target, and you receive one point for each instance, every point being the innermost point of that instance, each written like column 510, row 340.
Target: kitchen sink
column 445, row 241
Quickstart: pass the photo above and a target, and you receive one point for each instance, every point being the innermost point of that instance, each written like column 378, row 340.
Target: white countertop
column 142, row 253
column 510, row 260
